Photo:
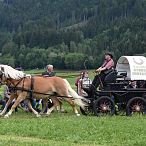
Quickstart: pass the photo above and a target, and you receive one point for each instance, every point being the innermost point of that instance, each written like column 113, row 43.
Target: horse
column 25, row 87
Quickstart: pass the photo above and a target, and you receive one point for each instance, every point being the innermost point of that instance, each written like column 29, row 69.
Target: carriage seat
column 117, row 81
column 122, row 75
column 111, row 77
column 115, row 75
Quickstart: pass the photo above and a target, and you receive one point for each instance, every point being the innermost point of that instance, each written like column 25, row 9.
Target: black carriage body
column 119, row 98
column 119, row 93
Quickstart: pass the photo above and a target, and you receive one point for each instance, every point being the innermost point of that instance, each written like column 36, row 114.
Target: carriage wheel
column 104, row 106
column 136, row 105
column 87, row 111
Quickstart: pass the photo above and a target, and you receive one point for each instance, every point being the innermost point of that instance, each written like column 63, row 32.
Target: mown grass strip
column 22, row 141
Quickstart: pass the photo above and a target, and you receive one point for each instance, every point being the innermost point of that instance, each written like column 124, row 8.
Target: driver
column 103, row 70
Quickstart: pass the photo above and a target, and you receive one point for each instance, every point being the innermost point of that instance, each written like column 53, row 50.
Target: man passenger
column 50, row 71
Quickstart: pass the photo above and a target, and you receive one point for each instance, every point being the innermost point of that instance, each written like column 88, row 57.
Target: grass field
column 24, row 129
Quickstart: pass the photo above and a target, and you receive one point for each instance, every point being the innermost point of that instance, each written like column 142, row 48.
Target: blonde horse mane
column 10, row 72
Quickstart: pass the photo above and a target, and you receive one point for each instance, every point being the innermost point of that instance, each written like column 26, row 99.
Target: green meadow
column 66, row 129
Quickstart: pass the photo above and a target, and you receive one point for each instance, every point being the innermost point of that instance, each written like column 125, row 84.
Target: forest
column 66, row 33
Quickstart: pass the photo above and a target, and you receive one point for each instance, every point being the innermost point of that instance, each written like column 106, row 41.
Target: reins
column 34, row 92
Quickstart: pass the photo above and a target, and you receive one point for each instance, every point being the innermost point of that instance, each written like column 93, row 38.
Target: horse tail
column 79, row 100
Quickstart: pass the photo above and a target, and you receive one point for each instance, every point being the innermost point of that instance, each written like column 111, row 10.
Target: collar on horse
column 15, row 88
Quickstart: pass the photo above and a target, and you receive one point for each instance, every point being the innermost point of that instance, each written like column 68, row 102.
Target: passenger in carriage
column 141, row 84
column 84, row 82
column 49, row 72
column 78, row 80
column 132, row 84
column 106, row 68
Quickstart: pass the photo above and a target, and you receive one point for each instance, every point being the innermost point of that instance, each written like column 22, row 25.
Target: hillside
column 65, row 33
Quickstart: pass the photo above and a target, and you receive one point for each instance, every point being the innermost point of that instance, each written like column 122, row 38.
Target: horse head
column 7, row 73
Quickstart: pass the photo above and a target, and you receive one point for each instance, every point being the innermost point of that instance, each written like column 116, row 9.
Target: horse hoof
column 38, row 116
column 63, row 111
column 48, row 114
column 6, row 116
column 78, row 115
column 1, row 115
column 41, row 113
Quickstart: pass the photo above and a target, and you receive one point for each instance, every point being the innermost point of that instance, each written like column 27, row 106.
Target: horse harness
column 15, row 88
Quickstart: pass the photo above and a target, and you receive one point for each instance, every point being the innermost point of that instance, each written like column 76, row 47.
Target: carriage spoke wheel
column 103, row 106
column 136, row 105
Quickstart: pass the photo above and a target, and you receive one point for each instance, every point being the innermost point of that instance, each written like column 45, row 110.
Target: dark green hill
column 65, row 33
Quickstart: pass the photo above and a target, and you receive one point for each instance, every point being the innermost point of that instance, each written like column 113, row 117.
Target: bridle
column 1, row 77
column 11, row 86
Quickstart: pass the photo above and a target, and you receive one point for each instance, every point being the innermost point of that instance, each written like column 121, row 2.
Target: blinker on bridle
column 1, row 77
column 1, row 74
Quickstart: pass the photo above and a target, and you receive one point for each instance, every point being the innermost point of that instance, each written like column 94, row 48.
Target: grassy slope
column 67, row 129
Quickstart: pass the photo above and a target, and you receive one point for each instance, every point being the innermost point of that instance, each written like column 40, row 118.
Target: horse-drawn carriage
column 113, row 97
column 116, row 96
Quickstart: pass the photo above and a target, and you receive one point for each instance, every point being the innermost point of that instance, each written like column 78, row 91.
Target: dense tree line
column 65, row 33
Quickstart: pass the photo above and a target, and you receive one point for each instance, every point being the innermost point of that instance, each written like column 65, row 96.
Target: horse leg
column 45, row 105
column 55, row 104
column 31, row 108
column 60, row 107
column 20, row 98
column 7, row 104
column 49, row 111
column 62, row 110
column 71, row 102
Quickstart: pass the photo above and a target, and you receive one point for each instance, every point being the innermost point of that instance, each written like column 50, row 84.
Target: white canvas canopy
column 135, row 66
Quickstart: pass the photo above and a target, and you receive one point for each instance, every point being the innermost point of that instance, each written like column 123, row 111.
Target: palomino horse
column 24, row 87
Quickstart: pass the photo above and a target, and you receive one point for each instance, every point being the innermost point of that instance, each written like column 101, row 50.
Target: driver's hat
column 109, row 53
